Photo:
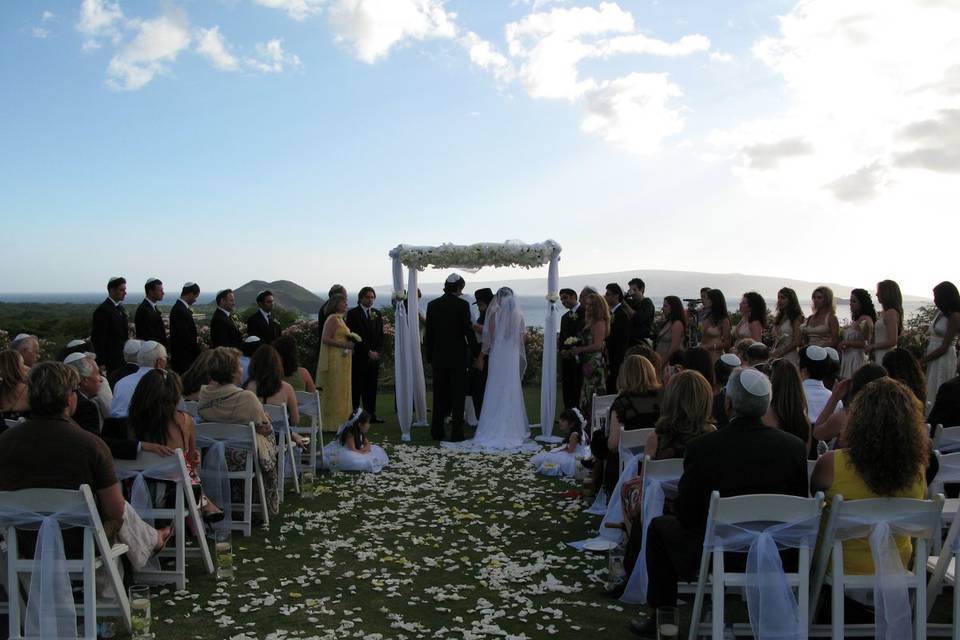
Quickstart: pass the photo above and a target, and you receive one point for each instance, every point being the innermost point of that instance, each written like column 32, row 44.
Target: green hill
column 287, row 294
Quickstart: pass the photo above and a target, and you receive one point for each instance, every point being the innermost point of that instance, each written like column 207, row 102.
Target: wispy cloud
column 271, row 58
column 296, row 9
column 213, row 46
column 99, row 20
column 372, row 28
column 155, row 46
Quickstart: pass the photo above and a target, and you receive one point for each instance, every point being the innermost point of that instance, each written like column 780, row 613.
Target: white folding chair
column 760, row 523
column 600, row 411
column 943, row 569
column 10, row 423
column 631, row 441
column 169, row 469
column 72, row 509
column 946, row 439
column 193, row 408
column 948, row 472
column 811, row 465
column 285, row 448
column 243, row 437
column 309, row 405
column 920, row 519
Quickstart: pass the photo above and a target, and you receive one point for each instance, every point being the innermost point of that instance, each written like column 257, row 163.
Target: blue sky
column 221, row 141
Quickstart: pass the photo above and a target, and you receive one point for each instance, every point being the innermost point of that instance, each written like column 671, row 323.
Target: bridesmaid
column 715, row 326
column 786, row 326
column 858, row 333
column 670, row 338
column 941, row 356
column 753, row 317
column 889, row 322
column 595, row 331
column 822, row 327
column 335, row 365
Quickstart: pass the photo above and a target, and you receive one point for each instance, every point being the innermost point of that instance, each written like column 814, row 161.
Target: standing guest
column 326, row 307
column 747, row 457
column 822, row 327
column 261, row 322
column 858, row 333
column 571, row 328
column 266, row 381
column 28, row 347
column 753, row 317
column 148, row 320
column 366, row 322
column 788, row 404
column 477, row 383
column 131, row 348
column 889, row 324
column 715, row 326
column 674, row 330
column 334, row 366
column 814, row 367
column 223, row 331
column 786, row 326
column 110, row 328
column 596, row 328
column 295, row 375
column 152, row 355
column 619, row 339
column 184, row 347
column 641, row 324
column 13, row 386
column 903, row 366
column 941, row 357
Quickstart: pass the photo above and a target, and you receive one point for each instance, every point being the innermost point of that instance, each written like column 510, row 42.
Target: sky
column 220, row 141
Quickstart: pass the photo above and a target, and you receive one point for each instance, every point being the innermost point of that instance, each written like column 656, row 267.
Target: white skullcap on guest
column 731, row 360
column 150, row 352
column 113, row 279
column 251, row 339
column 73, row 357
column 150, row 281
column 131, row 347
column 816, row 353
column 22, row 336
column 749, row 393
column 754, row 382
column 832, row 354
column 187, row 285
column 453, row 277
column 76, row 343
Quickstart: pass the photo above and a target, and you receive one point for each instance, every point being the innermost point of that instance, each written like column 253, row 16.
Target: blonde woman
column 592, row 360
column 637, row 406
column 889, row 324
column 822, row 327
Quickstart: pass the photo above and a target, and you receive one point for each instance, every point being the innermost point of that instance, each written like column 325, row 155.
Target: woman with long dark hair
column 889, row 323
column 941, row 357
column 786, row 326
column 715, row 327
column 670, row 338
column 858, row 333
column 753, row 317
column 298, row 377
column 903, row 366
column 267, row 383
column 788, row 404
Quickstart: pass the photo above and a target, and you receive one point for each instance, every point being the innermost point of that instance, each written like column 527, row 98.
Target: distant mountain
column 287, row 294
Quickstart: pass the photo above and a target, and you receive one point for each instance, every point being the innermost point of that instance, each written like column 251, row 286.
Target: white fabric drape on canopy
column 410, row 384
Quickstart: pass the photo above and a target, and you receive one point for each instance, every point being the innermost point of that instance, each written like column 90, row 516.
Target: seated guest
column 74, row 346
column 298, row 377
column 701, row 361
column 562, row 460
column 886, row 455
column 197, row 375
column 153, row 355
column 28, row 347
column 788, row 404
column 757, row 356
column 155, row 420
column 352, row 449
column 831, row 424
column 747, row 457
column 266, row 381
column 903, row 366
column 740, row 347
column 722, row 369
column 248, row 348
column 13, row 386
column 815, row 365
column 50, row 451
column 833, row 357
column 131, row 348
column 222, row 400
column 946, row 406
column 645, row 350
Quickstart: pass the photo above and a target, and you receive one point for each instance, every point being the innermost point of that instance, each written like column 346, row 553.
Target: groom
column 450, row 345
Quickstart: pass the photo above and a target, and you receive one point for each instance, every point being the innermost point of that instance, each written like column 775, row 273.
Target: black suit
column 223, row 333
column 617, row 343
column 184, row 347
column 946, row 407
column 89, row 418
column 149, row 323
column 449, row 342
column 109, row 333
column 477, row 383
column 571, row 371
column 366, row 372
column 747, row 457
column 121, row 372
column 258, row 326
column 641, row 324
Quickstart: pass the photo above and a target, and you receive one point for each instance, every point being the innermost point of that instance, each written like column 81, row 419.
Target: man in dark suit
column 110, row 326
column 449, row 344
column 641, row 324
column 619, row 339
column 262, row 323
column 477, row 383
column 571, row 326
column 148, row 320
column 366, row 322
column 223, row 332
column 131, row 349
column 747, row 457
column 184, row 347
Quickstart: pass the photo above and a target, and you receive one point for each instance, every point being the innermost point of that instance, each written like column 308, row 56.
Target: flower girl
column 562, row 461
column 351, row 450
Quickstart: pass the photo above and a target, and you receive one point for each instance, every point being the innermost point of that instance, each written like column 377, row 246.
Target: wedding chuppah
column 505, row 426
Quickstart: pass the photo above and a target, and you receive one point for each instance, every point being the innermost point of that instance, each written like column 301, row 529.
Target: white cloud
column 99, row 19
column 483, row 54
column 213, row 46
column 372, row 28
column 157, row 43
column 47, row 16
column 271, row 58
column 934, row 143
column 863, row 184
column 40, row 32
column 296, row 9
column 769, row 155
column 721, row 56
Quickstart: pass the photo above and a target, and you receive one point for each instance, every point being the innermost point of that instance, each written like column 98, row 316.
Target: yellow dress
column 857, row 558
column 334, row 370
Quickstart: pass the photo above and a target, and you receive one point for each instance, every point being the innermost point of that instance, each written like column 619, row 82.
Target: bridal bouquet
column 354, row 338
column 572, row 341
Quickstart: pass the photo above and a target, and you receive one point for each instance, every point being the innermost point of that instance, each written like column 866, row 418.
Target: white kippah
column 754, row 382
column 149, row 345
column 816, row 353
column 73, row 357
column 730, row 359
column 150, row 281
column 187, row 285
column 132, row 346
column 22, row 336
column 453, row 277
column 252, row 339
column 832, row 353
column 75, row 343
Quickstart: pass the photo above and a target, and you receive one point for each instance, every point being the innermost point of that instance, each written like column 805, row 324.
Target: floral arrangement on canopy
column 472, row 257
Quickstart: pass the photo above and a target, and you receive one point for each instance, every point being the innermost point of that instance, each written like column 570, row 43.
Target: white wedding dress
column 503, row 425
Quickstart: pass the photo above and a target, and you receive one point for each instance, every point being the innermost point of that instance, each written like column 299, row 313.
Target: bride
column 503, row 425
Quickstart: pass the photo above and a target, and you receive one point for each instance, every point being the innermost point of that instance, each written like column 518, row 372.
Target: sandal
column 163, row 537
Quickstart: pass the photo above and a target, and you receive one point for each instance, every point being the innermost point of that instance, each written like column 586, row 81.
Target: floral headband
column 580, row 417
column 351, row 421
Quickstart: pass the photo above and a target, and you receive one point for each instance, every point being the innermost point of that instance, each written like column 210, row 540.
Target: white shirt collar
column 227, row 313
column 115, row 302
column 266, row 316
column 185, row 303
column 812, row 382
column 575, row 308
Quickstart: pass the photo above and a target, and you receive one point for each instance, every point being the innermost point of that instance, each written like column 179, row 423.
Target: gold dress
column 334, row 370
column 711, row 337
